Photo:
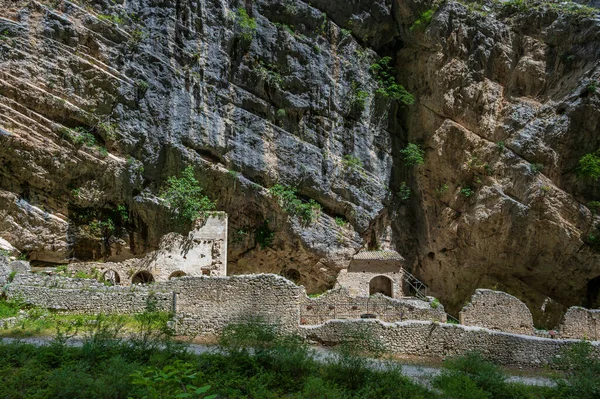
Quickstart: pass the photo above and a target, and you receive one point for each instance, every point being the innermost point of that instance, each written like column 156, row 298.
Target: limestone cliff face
column 101, row 101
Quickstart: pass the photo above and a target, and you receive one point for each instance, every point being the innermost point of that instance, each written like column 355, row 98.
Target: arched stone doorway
column 143, row 277
column 593, row 293
column 176, row 274
column 111, row 277
column 380, row 285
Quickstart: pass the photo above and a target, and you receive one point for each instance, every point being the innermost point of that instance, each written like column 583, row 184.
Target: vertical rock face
column 506, row 108
column 101, row 101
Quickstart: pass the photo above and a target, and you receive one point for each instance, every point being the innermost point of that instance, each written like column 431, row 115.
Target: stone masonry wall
column 431, row 339
column 358, row 283
column 581, row 323
column 206, row 305
column 497, row 310
column 85, row 296
column 339, row 304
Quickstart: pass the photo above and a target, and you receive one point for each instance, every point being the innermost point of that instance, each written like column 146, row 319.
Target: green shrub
column 536, row 168
column 594, row 207
column 340, row 221
column 264, row 236
column 184, row 197
column 286, row 196
column 589, row 166
column 351, row 162
column 434, row 304
column 467, row 191
column 582, row 368
column 423, row 21
column 247, row 25
column 404, row 192
column 386, row 77
column 176, row 380
column 413, row 155
column 500, row 145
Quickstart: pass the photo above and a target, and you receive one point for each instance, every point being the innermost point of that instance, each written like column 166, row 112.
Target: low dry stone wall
column 338, row 304
column 86, row 296
column 431, row 339
column 581, row 323
column 497, row 310
column 206, row 305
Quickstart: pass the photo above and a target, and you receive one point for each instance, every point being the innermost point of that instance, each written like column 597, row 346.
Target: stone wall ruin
column 497, row 310
column 203, row 252
column 581, row 323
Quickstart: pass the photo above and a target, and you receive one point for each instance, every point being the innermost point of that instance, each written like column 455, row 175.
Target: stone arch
column 112, row 277
column 291, row 274
column 381, row 285
column 593, row 293
column 176, row 274
column 142, row 277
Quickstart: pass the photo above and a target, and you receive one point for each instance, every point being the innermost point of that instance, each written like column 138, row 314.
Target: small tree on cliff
column 184, row 197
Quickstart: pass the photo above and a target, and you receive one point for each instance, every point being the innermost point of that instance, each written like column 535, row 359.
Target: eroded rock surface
column 101, row 101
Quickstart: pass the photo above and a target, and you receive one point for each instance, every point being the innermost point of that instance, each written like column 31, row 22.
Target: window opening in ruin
column 111, row 277
column 176, row 274
column 380, row 285
column 143, row 277
column 291, row 274
column 593, row 293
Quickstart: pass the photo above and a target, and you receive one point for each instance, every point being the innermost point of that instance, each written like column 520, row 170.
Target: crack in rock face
column 102, row 102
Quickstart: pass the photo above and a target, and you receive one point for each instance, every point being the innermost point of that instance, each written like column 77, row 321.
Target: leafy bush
column 352, row 163
column 467, row 191
column 184, row 197
column 264, row 236
column 423, row 21
column 594, row 207
column 340, row 221
column 289, row 201
column 404, row 192
column 247, row 25
column 413, row 155
column 386, row 76
column 581, row 368
column 174, row 380
column 536, row 168
column 589, row 166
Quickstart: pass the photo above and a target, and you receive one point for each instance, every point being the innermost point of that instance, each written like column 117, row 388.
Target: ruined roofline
column 378, row 255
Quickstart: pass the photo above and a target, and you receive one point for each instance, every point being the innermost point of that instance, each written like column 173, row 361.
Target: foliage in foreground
column 256, row 361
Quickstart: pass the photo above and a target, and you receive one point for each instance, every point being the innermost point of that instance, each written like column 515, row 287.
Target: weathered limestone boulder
column 581, row 323
column 497, row 310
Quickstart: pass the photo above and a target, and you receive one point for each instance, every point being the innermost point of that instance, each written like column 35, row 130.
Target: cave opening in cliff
column 380, row 285
column 593, row 293
column 143, row 277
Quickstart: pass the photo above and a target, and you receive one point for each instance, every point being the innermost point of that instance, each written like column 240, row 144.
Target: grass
column 256, row 360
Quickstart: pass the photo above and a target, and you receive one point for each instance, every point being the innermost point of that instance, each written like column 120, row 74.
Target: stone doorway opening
column 380, row 285
column 111, row 277
column 593, row 293
column 143, row 277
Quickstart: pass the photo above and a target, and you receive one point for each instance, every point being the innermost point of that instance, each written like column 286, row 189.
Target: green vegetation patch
column 306, row 211
column 184, row 197
column 385, row 74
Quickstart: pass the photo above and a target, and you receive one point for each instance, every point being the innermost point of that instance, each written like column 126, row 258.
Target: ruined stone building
column 203, row 252
column 373, row 272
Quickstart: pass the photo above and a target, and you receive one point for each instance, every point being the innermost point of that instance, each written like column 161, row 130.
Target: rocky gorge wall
column 101, row 101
